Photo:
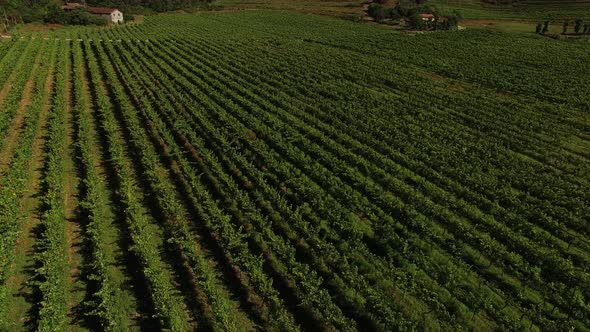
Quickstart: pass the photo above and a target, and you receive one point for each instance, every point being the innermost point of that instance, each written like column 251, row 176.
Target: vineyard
column 263, row 170
column 528, row 10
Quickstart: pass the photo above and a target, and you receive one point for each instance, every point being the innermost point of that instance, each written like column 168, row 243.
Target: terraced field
column 264, row 170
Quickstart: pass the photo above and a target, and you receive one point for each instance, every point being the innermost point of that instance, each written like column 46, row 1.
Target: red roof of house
column 71, row 5
column 101, row 10
column 426, row 15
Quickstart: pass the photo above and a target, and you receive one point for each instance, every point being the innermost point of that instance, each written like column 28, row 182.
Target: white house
column 112, row 14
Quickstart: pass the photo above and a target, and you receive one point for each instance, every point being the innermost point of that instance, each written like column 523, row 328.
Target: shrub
column 451, row 23
column 78, row 16
column 353, row 17
column 416, row 22
column 578, row 26
column 393, row 14
column 376, row 11
column 54, row 14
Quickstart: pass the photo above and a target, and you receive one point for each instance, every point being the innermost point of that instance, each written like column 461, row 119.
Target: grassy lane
column 214, row 300
column 21, row 95
column 22, row 297
column 141, row 229
column 52, row 246
column 102, row 229
column 170, row 264
column 9, row 66
column 74, row 233
column 125, row 267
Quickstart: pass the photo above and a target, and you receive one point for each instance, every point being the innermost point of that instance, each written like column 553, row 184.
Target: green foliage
column 48, row 10
column 156, row 5
column 578, row 25
column 545, row 27
column 77, row 16
column 377, row 11
column 443, row 188
column 451, row 22
column 416, row 22
column 12, row 186
column 52, row 258
column 528, row 10
column 28, row 11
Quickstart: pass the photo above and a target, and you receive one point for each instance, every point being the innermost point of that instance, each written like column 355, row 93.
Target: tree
column 539, row 27
column 578, row 25
column 436, row 24
column 393, row 14
column 565, row 25
column 416, row 22
column 403, row 12
column 545, row 27
column 377, row 12
column 55, row 15
column 32, row 10
column 79, row 16
column 451, row 23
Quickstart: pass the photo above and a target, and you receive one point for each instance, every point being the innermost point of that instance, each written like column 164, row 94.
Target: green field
column 525, row 10
column 277, row 171
column 338, row 8
column 555, row 10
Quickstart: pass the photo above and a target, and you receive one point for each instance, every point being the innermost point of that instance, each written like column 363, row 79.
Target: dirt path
column 22, row 299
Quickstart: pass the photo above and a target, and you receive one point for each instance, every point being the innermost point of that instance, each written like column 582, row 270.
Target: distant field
column 269, row 170
column 469, row 9
column 506, row 26
column 338, row 8
column 522, row 10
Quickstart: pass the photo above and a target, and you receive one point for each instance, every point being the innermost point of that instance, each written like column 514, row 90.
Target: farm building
column 108, row 13
column 112, row 14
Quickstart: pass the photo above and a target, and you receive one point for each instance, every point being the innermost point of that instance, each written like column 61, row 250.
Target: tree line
column 579, row 27
column 410, row 14
column 38, row 10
